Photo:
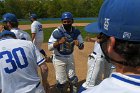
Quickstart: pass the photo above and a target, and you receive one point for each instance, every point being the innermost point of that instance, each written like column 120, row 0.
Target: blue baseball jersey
column 18, row 66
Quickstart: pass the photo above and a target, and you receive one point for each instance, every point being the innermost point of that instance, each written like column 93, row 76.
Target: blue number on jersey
column 13, row 59
column 39, row 28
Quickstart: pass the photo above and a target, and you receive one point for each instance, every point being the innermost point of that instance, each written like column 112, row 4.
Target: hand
column 62, row 40
column 76, row 42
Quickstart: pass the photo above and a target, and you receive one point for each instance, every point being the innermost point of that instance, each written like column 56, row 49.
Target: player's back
column 117, row 83
column 36, row 27
column 18, row 66
column 21, row 34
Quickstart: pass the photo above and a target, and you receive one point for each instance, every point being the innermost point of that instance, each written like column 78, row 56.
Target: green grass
column 48, row 31
column 53, row 21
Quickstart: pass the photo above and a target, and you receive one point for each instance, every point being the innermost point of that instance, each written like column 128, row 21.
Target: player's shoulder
column 36, row 23
column 24, row 42
column 56, row 30
column 22, row 32
column 76, row 30
column 14, row 30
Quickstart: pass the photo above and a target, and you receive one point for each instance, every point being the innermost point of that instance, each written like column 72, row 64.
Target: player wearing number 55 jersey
column 18, row 65
column 37, row 33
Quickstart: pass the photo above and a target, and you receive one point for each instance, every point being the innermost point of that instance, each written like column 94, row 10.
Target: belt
column 96, row 54
column 37, row 84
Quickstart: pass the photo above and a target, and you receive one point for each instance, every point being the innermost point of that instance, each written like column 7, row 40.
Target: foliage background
column 50, row 8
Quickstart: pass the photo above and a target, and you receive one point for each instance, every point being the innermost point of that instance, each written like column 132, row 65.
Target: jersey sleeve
column 16, row 33
column 38, row 55
column 51, row 41
column 27, row 36
column 33, row 28
column 0, row 83
column 80, row 39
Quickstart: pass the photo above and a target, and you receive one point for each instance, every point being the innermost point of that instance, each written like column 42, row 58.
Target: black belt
column 96, row 54
column 37, row 84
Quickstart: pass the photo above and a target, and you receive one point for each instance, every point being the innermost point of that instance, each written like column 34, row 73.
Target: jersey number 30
column 12, row 58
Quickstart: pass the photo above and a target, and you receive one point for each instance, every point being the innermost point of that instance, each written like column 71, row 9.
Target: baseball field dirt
column 27, row 27
column 80, row 56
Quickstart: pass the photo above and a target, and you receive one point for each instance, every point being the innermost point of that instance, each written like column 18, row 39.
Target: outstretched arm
column 44, row 74
column 33, row 36
column 79, row 42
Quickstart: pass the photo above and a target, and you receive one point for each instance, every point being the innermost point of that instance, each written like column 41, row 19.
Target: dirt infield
column 27, row 27
column 80, row 56
column 80, row 64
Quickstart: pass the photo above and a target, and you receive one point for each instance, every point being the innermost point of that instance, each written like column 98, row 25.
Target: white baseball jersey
column 36, row 28
column 21, row 34
column 97, row 67
column 18, row 66
column 97, row 49
column 117, row 83
column 63, row 64
column 52, row 40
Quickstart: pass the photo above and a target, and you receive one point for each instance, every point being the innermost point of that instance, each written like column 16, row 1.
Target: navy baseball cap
column 33, row 16
column 9, row 17
column 7, row 32
column 118, row 18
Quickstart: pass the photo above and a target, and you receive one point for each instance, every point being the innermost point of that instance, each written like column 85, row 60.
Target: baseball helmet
column 66, row 15
column 7, row 32
column 34, row 16
column 9, row 17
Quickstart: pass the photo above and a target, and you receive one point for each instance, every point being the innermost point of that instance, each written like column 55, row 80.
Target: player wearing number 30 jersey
column 18, row 65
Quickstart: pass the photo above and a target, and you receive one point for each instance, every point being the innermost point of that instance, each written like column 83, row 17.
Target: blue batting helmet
column 34, row 16
column 9, row 17
column 66, row 15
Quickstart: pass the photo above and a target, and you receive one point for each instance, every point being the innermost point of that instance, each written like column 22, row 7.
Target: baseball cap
column 9, row 17
column 7, row 32
column 33, row 16
column 118, row 18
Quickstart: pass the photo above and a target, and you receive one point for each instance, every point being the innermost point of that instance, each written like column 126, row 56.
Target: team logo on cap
column 126, row 35
column 3, row 48
column 106, row 23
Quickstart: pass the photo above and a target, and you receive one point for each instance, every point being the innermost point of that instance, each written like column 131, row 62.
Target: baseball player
column 37, row 39
column 119, row 25
column 10, row 22
column 62, row 42
column 37, row 33
column 98, row 68
column 18, row 65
